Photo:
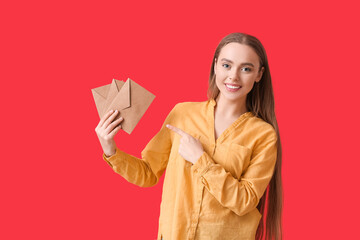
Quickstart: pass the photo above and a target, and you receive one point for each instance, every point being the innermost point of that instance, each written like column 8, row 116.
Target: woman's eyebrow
column 246, row 63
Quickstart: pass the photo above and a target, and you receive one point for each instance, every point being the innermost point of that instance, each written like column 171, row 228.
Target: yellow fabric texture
column 216, row 197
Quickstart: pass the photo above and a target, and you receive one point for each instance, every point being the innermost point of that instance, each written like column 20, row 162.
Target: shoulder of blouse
column 264, row 127
column 189, row 106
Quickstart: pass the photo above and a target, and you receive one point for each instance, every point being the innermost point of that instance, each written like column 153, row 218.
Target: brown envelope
column 131, row 99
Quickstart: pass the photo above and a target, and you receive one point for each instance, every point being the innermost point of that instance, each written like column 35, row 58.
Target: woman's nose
column 234, row 75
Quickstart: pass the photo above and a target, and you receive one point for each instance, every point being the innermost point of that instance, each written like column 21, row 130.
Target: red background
column 54, row 182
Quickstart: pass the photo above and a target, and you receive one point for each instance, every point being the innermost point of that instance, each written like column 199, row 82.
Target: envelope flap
column 113, row 91
column 118, row 84
column 123, row 97
column 100, row 95
column 101, row 91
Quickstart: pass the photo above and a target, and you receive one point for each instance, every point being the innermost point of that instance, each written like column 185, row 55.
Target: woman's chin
column 231, row 96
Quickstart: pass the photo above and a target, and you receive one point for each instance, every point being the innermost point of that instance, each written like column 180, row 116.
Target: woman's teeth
column 233, row 87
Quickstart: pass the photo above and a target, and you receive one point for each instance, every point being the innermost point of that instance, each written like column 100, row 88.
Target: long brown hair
column 260, row 101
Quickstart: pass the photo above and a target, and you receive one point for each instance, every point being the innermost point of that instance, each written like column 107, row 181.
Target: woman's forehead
column 238, row 53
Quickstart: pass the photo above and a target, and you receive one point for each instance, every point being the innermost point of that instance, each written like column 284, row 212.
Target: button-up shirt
column 216, row 197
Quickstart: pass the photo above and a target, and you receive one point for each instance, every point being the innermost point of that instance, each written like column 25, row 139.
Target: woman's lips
column 232, row 89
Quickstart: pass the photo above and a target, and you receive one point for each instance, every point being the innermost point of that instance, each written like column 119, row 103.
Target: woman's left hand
column 190, row 148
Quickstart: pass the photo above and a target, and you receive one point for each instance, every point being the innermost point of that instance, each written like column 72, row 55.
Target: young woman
column 220, row 155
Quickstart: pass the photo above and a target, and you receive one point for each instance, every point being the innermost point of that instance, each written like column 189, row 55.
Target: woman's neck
column 230, row 109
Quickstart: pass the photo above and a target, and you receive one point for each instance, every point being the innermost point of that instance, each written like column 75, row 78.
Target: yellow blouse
column 216, row 197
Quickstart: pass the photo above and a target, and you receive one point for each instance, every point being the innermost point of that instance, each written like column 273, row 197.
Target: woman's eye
column 248, row 69
column 226, row 65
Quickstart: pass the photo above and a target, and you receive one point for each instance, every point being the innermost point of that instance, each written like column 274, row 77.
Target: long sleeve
column 239, row 196
column 147, row 171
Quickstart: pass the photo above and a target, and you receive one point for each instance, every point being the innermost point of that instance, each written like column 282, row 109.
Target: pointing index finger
column 177, row 130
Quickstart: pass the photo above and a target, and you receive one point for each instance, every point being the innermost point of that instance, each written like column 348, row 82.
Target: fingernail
column 121, row 118
column 116, row 110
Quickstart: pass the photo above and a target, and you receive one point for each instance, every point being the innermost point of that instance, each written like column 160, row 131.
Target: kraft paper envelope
column 129, row 98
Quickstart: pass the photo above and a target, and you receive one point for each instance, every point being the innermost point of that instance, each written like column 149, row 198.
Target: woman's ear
column 260, row 74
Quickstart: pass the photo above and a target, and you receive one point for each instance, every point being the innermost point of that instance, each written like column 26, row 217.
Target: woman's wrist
column 110, row 153
column 109, row 148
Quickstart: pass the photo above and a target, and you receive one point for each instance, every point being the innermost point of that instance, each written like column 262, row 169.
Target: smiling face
column 236, row 71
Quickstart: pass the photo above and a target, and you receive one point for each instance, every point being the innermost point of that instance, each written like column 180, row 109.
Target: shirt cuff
column 112, row 157
column 202, row 165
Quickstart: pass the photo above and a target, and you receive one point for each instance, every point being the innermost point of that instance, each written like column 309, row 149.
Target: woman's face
column 238, row 66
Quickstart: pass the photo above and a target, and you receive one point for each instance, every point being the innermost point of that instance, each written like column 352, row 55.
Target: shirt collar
column 213, row 104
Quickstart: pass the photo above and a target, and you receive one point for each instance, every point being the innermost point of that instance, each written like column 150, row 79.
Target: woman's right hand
column 106, row 130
